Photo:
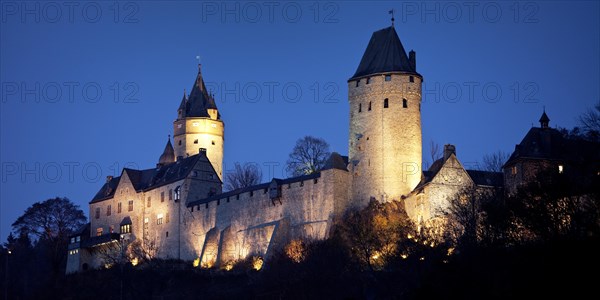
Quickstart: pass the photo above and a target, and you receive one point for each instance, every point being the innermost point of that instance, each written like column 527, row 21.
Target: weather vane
column 392, row 13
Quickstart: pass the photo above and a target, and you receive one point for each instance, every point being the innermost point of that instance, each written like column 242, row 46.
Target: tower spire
column 544, row 120
column 392, row 13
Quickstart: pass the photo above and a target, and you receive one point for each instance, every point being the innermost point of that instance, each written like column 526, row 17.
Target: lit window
column 167, row 218
column 99, row 231
column 388, row 77
column 159, row 219
column 97, row 212
column 130, row 205
column 560, row 169
column 385, row 103
column 126, row 228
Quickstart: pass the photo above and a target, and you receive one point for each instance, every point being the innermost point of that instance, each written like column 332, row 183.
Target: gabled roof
column 485, row 178
column 168, row 155
column 384, row 53
column 261, row 186
column 199, row 101
column 143, row 180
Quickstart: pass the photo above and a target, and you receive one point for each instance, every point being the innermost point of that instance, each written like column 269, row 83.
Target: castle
column 179, row 207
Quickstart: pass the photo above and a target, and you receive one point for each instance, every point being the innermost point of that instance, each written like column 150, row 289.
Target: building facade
column 177, row 210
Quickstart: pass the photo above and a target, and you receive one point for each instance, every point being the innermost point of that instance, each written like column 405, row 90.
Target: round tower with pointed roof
column 199, row 127
column 384, row 94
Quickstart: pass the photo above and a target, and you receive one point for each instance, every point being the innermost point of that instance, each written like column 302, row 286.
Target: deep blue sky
column 534, row 54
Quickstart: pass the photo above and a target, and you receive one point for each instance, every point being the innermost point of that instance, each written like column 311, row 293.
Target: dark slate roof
column 485, row 178
column 550, row 144
column 336, row 161
column 125, row 221
column 544, row 118
column 152, row 178
column 83, row 230
column 98, row 240
column 168, row 155
column 540, row 143
column 199, row 101
column 384, row 53
column 257, row 187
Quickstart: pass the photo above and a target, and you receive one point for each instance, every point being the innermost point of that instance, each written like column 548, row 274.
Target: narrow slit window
column 357, row 82
column 411, row 78
column 359, row 107
column 369, row 105
column 385, row 103
column 404, row 103
column 368, row 80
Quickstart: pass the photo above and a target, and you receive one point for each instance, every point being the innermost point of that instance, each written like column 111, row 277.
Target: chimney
column 108, row 178
column 449, row 150
column 412, row 59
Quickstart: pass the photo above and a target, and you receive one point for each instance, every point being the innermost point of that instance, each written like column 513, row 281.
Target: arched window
column 385, row 103
column 404, row 103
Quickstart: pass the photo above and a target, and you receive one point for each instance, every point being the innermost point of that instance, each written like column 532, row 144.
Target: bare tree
column 493, row 162
column 308, row 156
column 435, row 151
column 590, row 121
column 243, row 176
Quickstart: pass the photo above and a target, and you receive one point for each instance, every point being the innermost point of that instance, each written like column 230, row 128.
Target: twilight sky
column 89, row 88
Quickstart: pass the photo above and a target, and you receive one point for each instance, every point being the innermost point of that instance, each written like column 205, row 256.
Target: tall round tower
column 199, row 126
column 385, row 121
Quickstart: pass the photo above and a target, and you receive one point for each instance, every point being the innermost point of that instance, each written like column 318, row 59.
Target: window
column 159, row 219
column 219, row 202
column 385, row 103
column 315, row 180
column 97, row 212
column 369, row 105
column 359, row 107
column 167, row 234
column 301, row 183
column 251, row 193
column 119, row 207
column 206, row 205
column 388, row 77
column 72, row 240
column 237, row 197
column 162, row 196
column 560, row 169
column 149, row 202
column 212, row 142
column 514, row 170
column 357, row 82
column 146, row 221
column 167, row 219
column 111, row 229
column 130, row 205
column 179, row 142
column 170, row 194
column 404, row 103
column 411, row 78
column 99, row 231
column 196, row 141
column 126, row 228
column 77, row 239
column 227, row 199
column 368, row 80
column 108, row 210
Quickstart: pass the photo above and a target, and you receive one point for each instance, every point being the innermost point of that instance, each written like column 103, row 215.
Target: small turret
column 544, row 120
column 168, row 155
